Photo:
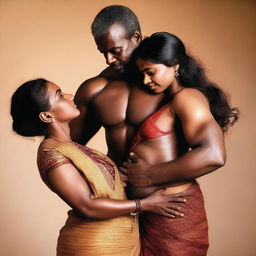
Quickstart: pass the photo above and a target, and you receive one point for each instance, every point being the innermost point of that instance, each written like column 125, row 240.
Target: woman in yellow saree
column 102, row 221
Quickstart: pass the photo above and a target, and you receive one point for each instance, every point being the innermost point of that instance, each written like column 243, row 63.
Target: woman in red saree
column 102, row 221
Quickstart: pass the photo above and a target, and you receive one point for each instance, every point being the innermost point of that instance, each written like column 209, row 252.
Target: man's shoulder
column 97, row 83
column 91, row 87
column 94, row 84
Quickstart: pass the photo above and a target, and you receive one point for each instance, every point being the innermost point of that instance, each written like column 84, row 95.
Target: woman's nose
column 69, row 96
column 146, row 79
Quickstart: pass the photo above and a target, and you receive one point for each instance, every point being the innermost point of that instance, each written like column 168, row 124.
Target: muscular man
column 103, row 100
column 108, row 101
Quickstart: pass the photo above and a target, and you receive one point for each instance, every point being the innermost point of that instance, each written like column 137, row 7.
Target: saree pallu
column 186, row 236
column 82, row 236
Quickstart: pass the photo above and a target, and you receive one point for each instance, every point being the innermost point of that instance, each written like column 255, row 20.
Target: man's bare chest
column 121, row 105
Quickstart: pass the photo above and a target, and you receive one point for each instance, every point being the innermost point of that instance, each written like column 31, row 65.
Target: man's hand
column 136, row 171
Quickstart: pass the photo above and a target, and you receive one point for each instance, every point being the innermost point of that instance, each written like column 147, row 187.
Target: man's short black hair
column 115, row 14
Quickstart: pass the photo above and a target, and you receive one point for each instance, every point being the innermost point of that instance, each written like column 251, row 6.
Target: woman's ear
column 176, row 67
column 137, row 37
column 46, row 117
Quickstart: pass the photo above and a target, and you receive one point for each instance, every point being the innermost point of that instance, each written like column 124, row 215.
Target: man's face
column 116, row 48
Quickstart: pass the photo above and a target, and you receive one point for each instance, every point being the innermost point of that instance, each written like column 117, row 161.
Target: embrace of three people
column 164, row 124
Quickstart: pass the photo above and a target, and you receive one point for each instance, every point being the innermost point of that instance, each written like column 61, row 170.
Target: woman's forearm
column 100, row 208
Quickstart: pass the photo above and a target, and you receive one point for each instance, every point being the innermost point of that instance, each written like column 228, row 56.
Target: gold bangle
column 137, row 209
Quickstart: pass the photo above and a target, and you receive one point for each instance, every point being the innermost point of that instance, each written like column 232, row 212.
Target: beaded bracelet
column 137, row 209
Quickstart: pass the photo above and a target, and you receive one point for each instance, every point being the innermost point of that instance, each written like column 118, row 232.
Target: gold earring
column 176, row 73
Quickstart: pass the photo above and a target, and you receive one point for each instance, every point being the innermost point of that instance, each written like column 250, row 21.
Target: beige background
column 51, row 39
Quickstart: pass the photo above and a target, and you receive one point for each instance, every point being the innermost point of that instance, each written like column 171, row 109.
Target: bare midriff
column 159, row 151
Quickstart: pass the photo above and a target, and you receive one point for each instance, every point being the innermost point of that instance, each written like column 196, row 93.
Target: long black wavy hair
column 165, row 48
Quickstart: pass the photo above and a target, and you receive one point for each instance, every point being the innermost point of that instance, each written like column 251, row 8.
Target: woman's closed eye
column 150, row 73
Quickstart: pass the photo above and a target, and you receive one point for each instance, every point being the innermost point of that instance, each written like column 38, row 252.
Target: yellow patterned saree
column 81, row 236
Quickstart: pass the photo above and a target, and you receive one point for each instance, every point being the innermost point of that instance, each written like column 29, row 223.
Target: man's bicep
column 77, row 125
column 196, row 117
column 85, row 126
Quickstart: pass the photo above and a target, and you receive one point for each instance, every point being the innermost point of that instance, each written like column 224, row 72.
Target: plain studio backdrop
column 52, row 39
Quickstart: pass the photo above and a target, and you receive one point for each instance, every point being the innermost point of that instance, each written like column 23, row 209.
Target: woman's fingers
column 178, row 200
column 174, row 210
column 123, row 170
column 170, row 198
column 123, row 177
column 172, row 213
column 166, row 214
column 175, row 213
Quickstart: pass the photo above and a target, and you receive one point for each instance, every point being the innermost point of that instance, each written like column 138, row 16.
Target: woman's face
column 63, row 108
column 158, row 77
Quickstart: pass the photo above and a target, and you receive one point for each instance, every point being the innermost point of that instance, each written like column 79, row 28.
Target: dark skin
column 167, row 161
column 120, row 108
column 71, row 186
column 103, row 100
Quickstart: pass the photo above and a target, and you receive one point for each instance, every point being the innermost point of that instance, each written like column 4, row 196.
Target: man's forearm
column 190, row 166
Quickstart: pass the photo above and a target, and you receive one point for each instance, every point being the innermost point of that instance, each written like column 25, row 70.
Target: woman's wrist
column 144, row 205
column 137, row 207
